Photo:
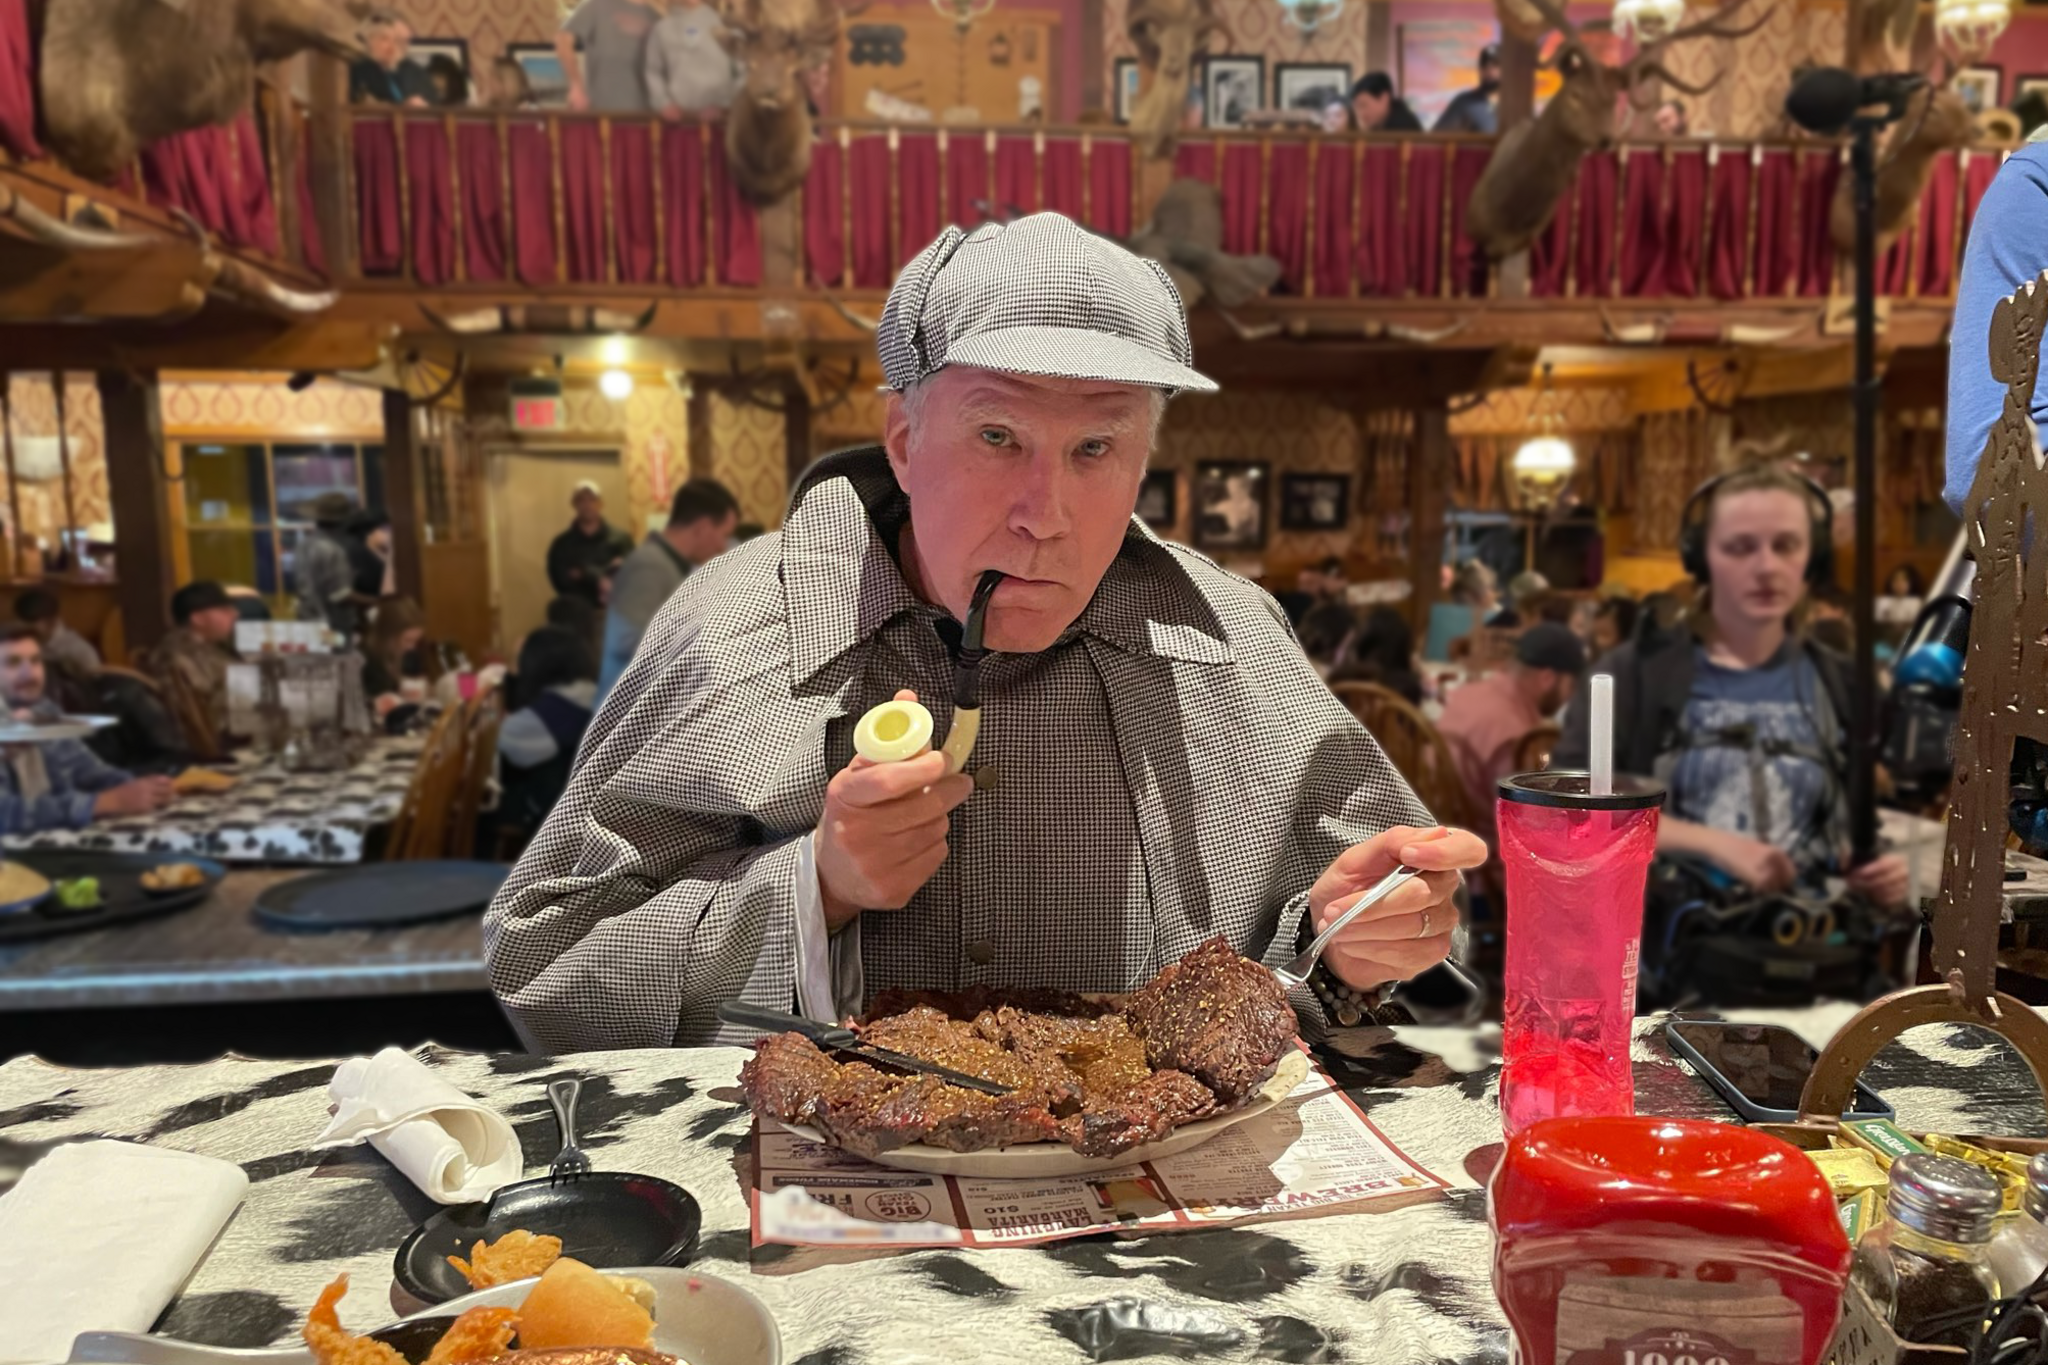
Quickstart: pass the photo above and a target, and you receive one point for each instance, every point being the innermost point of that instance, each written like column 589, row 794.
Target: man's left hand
column 1883, row 881
column 1408, row 932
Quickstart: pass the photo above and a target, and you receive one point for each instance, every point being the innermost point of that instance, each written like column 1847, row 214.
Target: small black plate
column 121, row 894
column 608, row 1219
column 382, row 894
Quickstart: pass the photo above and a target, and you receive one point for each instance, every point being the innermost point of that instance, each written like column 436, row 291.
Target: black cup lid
column 1574, row 790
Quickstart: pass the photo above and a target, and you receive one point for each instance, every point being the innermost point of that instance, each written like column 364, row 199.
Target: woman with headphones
column 1733, row 708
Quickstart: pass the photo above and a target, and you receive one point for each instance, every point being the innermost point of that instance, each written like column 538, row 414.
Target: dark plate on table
column 609, row 1219
column 122, row 896
column 382, row 895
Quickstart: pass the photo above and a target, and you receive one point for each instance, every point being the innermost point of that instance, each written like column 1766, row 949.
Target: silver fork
column 570, row 1162
column 1296, row 972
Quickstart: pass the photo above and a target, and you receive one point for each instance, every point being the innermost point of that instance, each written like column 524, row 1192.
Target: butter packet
column 1860, row 1213
column 2009, row 1167
column 1882, row 1138
column 1849, row 1172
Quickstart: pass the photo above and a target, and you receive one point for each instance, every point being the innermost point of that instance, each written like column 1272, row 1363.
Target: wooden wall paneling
column 402, row 494
column 134, row 451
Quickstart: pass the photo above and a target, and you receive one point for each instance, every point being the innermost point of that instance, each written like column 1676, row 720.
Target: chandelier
column 1309, row 15
column 1542, row 465
column 1646, row 20
column 963, row 13
column 1967, row 28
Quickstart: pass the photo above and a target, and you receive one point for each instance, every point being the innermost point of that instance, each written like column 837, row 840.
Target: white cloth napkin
column 98, row 1236
column 440, row 1139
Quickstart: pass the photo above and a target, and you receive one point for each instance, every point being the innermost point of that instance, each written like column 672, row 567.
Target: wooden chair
column 1414, row 747
column 482, row 715
column 1533, row 750
column 421, row 829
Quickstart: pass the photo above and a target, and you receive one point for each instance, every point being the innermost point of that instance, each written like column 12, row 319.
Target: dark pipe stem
column 967, row 665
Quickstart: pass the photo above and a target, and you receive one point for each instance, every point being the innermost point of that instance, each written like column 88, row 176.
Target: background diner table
column 1410, row 1284
column 270, row 815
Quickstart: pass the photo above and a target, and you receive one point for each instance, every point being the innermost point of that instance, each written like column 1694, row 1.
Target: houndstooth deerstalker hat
column 1041, row 295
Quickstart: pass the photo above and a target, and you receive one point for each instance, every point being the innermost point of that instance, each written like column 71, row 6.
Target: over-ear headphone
column 1692, row 531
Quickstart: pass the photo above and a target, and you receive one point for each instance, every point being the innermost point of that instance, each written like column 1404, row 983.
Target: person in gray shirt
column 700, row 526
column 688, row 68
column 613, row 36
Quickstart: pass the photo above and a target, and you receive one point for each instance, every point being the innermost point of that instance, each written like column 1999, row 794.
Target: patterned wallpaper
column 1514, row 412
column 750, row 455
column 489, row 25
column 655, row 422
column 32, row 406
column 1749, row 99
column 265, row 407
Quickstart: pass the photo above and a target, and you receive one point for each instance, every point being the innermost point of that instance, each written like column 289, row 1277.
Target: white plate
column 65, row 727
column 1040, row 1160
column 697, row 1319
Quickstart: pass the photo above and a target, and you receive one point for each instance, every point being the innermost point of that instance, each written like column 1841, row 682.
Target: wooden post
column 1517, row 80
column 58, row 383
column 133, row 427
column 1094, row 91
column 402, row 492
column 330, row 152
column 1429, row 475
column 796, row 431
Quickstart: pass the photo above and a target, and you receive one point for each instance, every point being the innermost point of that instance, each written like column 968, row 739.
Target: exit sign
column 537, row 414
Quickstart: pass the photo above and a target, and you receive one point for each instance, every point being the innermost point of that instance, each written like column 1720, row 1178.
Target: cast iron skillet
column 608, row 1219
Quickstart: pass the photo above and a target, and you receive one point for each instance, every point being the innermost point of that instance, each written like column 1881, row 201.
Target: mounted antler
column 1648, row 60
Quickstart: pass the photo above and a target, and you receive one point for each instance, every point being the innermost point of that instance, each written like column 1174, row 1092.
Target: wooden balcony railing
column 460, row 199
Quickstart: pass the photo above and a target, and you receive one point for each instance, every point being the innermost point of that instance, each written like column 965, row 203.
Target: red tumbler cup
column 1576, row 864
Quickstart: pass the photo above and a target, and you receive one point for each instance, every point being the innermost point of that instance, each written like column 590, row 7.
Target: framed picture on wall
column 1315, row 502
column 1980, row 86
column 1235, row 87
column 2023, row 86
column 543, row 70
column 1126, row 87
column 1159, row 499
column 437, row 54
column 1311, row 86
column 1230, row 505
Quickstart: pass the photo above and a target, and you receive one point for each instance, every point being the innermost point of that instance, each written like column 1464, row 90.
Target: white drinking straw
column 1602, row 735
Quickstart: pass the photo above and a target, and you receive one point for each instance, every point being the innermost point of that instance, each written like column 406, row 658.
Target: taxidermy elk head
column 1535, row 163
column 118, row 75
column 1169, row 35
column 1936, row 121
column 768, row 129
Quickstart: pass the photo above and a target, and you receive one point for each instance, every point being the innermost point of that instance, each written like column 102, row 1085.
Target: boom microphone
column 1826, row 99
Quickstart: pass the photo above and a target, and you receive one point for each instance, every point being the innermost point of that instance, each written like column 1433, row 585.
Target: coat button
column 981, row 953
column 986, row 777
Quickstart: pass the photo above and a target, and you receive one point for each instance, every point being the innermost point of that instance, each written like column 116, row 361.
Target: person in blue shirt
column 59, row 784
column 2008, row 247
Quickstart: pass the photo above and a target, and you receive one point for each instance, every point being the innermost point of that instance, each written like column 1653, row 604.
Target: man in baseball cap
column 1157, row 762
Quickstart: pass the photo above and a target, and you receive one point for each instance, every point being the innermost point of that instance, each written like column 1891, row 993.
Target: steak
column 1102, row 1077
column 1216, row 1015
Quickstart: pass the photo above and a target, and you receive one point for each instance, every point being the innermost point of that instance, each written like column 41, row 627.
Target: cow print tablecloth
column 1406, row 1286
column 270, row 816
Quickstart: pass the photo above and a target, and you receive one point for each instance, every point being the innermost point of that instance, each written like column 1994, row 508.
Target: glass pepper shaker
column 2020, row 1250
column 1929, row 1259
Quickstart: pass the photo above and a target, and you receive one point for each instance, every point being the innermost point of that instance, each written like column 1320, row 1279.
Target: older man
column 388, row 75
column 1157, row 762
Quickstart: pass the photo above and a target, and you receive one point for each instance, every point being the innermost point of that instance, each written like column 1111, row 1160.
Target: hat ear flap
column 899, row 337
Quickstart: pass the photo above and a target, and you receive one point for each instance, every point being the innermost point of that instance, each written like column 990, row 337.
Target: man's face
column 1034, row 476
column 1310, row 582
column 21, row 673
column 589, row 508
column 215, row 624
column 1489, row 75
column 1557, row 691
column 387, row 48
column 1669, row 121
column 706, row 538
column 1371, row 109
column 1757, row 547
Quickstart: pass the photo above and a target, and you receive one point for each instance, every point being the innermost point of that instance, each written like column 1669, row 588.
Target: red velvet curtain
column 381, row 248
column 431, row 202
column 1599, row 207
column 1685, row 227
column 1195, row 161
column 255, row 224
column 1777, row 198
column 312, row 250
column 633, row 231
column 1016, row 177
column 1550, row 253
column 1063, row 177
column 185, row 171
column 737, row 231
column 966, row 179
column 17, row 82
column 1287, row 212
column 1938, row 229
column 582, row 170
column 1243, row 194
column 1642, row 225
column 483, row 201
column 1728, row 229
column 1423, row 221
column 1468, row 265
column 682, row 203
column 868, row 172
column 1978, row 170
column 1895, row 264
column 1336, row 219
column 1383, row 228
column 917, row 194
column 824, row 235
column 1818, row 173
column 1109, row 187
column 533, row 198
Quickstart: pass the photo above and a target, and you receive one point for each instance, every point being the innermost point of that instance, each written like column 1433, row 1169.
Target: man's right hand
column 1762, row 867
column 579, row 99
column 884, row 831
column 139, row 797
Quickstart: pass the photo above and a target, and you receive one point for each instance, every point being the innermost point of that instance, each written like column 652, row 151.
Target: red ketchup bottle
column 1646, row 1241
